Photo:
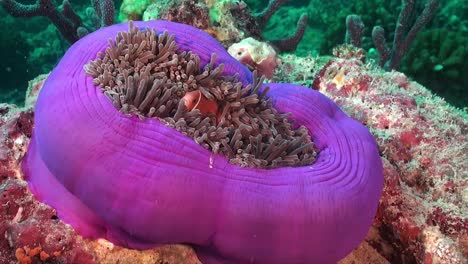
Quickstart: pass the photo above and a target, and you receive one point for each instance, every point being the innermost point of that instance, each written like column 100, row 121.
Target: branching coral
column 67, row 21
column 161, row 178
column 390, row 59
column 354, row 30
column 287, row 44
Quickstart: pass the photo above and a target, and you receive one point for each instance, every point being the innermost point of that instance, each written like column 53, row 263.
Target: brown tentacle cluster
column 145, row 74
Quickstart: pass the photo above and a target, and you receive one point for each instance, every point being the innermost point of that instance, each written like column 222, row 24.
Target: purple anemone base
column 139, row 183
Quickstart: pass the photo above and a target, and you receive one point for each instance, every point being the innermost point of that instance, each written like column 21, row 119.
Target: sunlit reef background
column 436, row 59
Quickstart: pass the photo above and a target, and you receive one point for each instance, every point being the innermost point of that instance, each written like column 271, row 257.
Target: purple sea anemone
column 114, row 173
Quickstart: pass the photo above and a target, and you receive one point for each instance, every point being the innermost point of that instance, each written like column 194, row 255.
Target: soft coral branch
column 67, row 25
column 67, row 21
column 287, row 44
column 290, row 43
column 401, row 43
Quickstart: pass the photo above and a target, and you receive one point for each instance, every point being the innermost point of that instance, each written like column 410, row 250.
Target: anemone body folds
column 139, row 183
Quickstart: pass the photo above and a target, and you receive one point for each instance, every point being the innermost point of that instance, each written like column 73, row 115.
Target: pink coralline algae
column 140, row 183
column 424, row 144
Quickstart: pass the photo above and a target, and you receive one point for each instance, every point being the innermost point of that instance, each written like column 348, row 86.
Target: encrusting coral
column 421, row 217
column 144, row 74
column 162, row 178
